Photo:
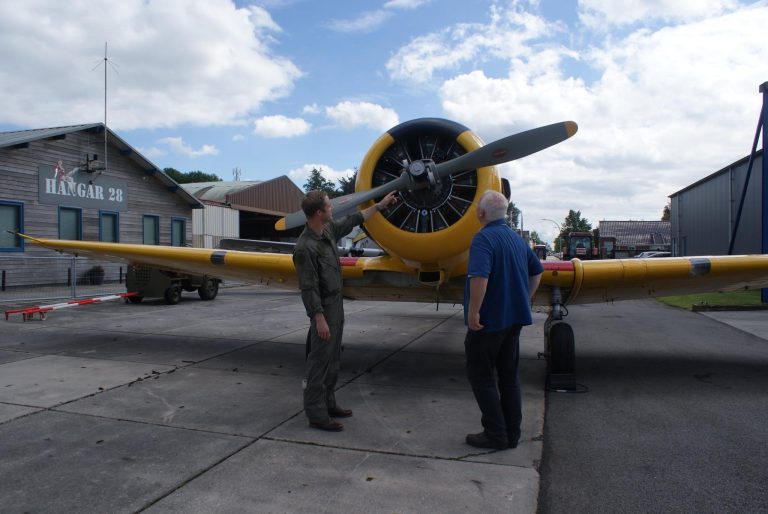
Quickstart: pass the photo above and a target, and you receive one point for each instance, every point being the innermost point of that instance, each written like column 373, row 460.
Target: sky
column 665, row 92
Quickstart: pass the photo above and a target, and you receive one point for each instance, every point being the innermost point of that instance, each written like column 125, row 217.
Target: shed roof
column 633, row 233
column 217, row 191
column 709, row 177
column 277, row 197
column 22, row 138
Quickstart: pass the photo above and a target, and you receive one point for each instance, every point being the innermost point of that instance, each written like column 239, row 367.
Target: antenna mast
column 105, row 106
column 114, row 67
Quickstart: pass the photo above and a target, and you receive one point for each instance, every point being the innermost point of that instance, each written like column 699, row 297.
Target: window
column 70, row 223
column 151, row 230
column 109, row 227
column 178, row 231
column 11, row 218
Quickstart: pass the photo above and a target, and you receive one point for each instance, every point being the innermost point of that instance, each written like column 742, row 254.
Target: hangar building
column 703, row 215
column 246, row 209
column 53, row 184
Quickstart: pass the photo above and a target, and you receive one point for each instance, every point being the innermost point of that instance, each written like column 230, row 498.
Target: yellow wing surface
column 625, row 279
column 387, row 278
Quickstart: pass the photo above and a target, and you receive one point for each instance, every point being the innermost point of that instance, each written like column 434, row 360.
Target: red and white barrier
column 29, row 312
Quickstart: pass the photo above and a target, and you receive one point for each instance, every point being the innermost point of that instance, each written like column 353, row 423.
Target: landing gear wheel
column 209, row 289
column 172, row 294
column 562, row 352
column 135, row 299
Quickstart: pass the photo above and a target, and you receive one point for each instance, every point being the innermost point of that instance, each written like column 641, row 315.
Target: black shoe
column 327, row 425
column 338, row 412
column 481, row 440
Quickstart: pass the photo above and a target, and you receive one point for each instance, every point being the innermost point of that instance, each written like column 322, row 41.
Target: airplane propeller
column 424, row 173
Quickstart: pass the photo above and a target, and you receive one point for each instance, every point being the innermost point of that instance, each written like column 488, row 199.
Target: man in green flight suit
column 317, row 265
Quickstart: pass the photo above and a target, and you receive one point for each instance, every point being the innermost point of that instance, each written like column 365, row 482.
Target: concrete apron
column 202, row 413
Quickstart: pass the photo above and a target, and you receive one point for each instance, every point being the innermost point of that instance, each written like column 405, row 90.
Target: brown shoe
column 328, row 425
column 338, row 412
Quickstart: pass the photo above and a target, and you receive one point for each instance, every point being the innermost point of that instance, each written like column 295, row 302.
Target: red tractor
column 581, row 245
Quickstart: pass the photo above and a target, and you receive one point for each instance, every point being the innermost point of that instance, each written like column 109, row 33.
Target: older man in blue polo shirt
column 502, row 276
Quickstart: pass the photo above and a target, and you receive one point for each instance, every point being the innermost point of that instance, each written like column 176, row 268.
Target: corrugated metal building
column 623, row 239
column 246, row 209
column 703, row 215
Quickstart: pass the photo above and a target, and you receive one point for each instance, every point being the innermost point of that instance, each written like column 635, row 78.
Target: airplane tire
column 209, row 289
column 562, row 349
column 173, row 294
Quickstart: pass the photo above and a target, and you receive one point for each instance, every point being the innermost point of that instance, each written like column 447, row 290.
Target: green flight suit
column 317, row 264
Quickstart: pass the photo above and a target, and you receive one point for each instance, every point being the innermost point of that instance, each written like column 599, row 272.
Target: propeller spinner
column 423, row 173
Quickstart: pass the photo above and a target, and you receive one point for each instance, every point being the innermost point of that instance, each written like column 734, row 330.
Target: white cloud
column 301, row 174
column 238, row 137
column 177, row 145
column 311, row 109
column 177, row 62
column 350, row 115
column 599, row 13
column 281, row 126
column 662, row 108
column 369, row 21
column 506, row 36
column 366, row 22
column 405, row 4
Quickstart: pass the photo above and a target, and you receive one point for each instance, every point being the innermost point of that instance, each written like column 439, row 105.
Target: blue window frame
column 151, row 225
column 70, row 223
column 109, row 226
column 178, row 231
column 11, row 218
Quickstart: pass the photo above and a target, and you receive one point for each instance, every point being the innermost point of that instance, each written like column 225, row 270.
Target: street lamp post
column 557, row 237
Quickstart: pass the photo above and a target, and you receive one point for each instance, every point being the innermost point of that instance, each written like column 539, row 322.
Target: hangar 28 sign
column 77, row 188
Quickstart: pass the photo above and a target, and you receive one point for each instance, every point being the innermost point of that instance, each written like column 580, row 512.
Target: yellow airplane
column 440, row 169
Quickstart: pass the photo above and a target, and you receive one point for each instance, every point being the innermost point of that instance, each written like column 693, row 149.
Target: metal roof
column 277, row 197
column 633, row 233
column 741, row 161
column 217, row 191
column 22, row 138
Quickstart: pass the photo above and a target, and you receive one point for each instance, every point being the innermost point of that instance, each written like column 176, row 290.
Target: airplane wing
column 625, row 279
column 376, row 278
column 387, row 278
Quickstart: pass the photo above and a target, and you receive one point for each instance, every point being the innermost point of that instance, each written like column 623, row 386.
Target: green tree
column 191, row 176
column 534, row 236
column 512, row 217
column 317, row 182
column 573, row 223
column 347, row 184
column 665, row 213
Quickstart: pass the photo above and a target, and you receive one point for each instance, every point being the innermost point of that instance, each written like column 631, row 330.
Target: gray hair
column 494, row 204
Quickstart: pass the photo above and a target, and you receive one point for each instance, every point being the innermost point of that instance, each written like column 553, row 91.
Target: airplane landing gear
column 560, row 348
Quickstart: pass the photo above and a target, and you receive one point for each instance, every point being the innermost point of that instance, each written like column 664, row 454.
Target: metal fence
column 24, row 279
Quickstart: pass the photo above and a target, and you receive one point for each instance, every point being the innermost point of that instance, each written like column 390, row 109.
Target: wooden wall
column 145, row 193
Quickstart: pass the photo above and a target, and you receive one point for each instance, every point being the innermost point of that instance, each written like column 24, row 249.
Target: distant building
column 703, row 215
column 244, row 209
column 623, row 239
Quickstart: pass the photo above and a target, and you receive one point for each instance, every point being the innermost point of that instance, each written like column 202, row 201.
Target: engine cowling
column 429, row 228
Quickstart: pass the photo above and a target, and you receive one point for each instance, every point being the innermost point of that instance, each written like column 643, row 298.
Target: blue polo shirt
column 500, row 255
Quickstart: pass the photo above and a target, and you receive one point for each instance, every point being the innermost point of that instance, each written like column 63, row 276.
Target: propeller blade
column 343, row 205
column 509, row 148
column 504, row 150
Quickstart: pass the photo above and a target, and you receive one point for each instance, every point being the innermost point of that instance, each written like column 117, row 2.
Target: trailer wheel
column 173, row 294
column 209, row 289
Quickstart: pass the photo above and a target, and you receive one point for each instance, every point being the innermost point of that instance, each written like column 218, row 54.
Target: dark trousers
column 497, row 396
column 323, row 364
